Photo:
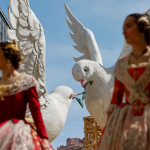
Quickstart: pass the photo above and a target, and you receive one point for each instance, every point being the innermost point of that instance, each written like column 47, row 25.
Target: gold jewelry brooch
column 3, row 89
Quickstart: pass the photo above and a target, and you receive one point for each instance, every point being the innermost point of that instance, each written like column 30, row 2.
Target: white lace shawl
column 137, row 89
column 22, row 83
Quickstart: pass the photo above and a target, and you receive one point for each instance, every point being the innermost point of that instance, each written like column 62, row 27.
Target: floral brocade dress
column 15, row 132
column 128, row 126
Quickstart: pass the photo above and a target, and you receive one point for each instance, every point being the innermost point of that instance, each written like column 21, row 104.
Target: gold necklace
column 138, row 56
column 3, row 89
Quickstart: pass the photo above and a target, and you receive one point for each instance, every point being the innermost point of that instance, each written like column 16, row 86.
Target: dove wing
column 84, row 39
column 29, row 33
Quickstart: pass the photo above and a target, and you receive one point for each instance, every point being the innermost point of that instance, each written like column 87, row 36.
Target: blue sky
column 105, row 18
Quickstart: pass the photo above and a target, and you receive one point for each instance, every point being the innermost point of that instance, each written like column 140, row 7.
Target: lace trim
column 136, row 88
column 124, row 131
column 16, row 136
column 23, row 83
column 143, row 64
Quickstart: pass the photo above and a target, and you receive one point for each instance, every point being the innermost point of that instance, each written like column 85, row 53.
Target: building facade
column 4, row 24
column 73, row 144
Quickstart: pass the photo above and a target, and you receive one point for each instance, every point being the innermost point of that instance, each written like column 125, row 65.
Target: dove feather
column 12, row 19
column 29, row 33
column 84, row 39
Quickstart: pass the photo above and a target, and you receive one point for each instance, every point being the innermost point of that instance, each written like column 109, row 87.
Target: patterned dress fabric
column 128, row 125
column 15, row 132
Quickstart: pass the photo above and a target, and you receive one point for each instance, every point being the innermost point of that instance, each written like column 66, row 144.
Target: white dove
column 90, row 67
column 29, row 34
column 55, row 114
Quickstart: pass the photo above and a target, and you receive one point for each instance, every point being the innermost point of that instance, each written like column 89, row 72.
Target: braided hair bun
column 12, row 53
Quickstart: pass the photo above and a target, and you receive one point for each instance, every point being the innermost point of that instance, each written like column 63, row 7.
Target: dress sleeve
column 118, row 93
column 34, row 105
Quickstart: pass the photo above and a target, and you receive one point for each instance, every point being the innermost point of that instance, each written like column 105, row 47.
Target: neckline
column 136, row 66
column 142, row 64
column 17, row 81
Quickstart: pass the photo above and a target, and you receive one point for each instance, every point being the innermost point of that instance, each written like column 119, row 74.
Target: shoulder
column 29, row 81
column 122, row 62
column 120, row 66
column 23, row 82
column 28, row 77
column 122, row 59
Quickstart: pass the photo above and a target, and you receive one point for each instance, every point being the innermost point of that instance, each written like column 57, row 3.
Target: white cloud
column 61, row 50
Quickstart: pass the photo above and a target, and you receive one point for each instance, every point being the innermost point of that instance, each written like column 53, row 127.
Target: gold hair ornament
column 13, row 45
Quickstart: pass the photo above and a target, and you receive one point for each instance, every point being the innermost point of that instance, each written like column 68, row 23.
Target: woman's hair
column 10, row 53
column 143, row 25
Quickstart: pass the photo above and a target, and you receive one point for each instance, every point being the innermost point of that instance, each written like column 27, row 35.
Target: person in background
column 128, row 124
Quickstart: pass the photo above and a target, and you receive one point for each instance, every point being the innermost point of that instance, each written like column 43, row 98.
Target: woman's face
column 3, row 60
column 130, row 31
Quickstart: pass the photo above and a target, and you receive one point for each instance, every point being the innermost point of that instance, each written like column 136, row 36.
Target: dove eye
column 70, row 96
column 85, row 69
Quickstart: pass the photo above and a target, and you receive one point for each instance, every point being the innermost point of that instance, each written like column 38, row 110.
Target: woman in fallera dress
column 16, row 90
column 128, row 124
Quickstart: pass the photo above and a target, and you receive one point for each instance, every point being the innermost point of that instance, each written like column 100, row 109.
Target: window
column 0, row 36
column 3, row 29
column 77, row 141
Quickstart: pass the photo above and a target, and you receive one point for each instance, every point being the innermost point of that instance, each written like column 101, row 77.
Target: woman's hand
column 46, row 145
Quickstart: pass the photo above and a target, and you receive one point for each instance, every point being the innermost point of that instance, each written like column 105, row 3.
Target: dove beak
column 74, row 95
column 83, row 82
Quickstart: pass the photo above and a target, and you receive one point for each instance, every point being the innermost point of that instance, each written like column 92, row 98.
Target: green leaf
column 83, row 97
column 84, row 92
column 80, row 102
column 80, row 94
column 91, row 82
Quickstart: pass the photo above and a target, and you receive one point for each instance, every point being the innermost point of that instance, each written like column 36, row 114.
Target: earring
column 142, row 36
column 19, row 63
column 8, row 64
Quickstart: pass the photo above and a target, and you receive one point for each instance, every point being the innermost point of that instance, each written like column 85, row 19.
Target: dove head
column 66, row 93
column 83, row 71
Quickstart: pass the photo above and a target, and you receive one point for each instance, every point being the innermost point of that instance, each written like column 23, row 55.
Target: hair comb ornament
column 13, row 45
column 144, row 19
column 147, row 13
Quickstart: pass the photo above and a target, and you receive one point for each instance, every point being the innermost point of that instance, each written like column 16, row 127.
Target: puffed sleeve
column 117, row 96
column 34, row 106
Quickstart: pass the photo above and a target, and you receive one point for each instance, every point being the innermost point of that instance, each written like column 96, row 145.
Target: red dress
column 128, row 125
column 15, row 134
